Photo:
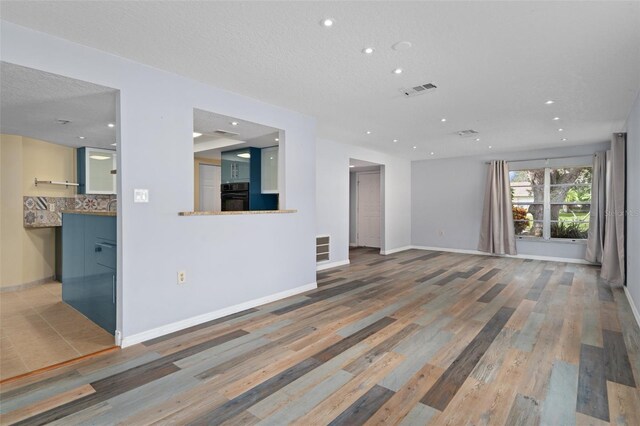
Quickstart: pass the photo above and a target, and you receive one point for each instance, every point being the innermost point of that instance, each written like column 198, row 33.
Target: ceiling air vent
column 221, row 132
column 418, row 90
column 467, row 133
column 62, row 121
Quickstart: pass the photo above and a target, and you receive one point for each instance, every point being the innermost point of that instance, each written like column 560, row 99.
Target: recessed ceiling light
column 561, row 130
column 327, row 22
column 443, row 119
column 549, row 102
column 556, row 118
column 415, row 147
column 397, row 71
column 564, row 139
column 196, row 134
column 111, row 125
column 368, row 50
column 368, row 132
column 490, row 147
column 351, row 165
column 432, row 153
column 477, row 139
column 277, row 139
column 234, row 123
column 402, row 45
column 80, row 137
column 395, row 140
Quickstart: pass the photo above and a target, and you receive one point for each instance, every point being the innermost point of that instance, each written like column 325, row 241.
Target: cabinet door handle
column 107, row 245
column 113, row 289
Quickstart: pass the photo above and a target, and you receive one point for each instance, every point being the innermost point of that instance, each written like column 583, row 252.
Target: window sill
column 221, row 213
column 552, row 240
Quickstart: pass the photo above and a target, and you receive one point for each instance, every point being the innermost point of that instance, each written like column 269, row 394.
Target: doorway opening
column 366, row 206
column 207, row 185
column 58, row 257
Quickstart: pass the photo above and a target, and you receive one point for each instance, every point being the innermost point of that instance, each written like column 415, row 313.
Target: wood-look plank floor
column 413, row 338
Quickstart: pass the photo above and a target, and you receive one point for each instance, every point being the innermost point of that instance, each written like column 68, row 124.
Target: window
column 551, row 202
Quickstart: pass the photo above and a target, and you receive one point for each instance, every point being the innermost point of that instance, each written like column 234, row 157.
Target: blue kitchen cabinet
column 89, row 266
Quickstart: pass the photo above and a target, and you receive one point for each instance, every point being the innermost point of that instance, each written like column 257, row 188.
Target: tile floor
column 37, row 330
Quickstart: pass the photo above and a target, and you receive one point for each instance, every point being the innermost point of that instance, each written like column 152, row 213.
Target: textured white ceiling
column 207, row 122
column 495, row 63
column 356, row 165
column 32, row 101
column 253, row 134
column 361, row 163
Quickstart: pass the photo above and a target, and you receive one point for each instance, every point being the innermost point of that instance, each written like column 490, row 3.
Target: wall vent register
column 220, row 132
column 418, row 90
column 467, row 133
column 322, row 248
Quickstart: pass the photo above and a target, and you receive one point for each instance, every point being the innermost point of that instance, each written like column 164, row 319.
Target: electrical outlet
column 52, row 207
column 182, row 277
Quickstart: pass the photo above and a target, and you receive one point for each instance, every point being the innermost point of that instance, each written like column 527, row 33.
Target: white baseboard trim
column 190, row 322
column 518, row 256
column 329, row 265
column 395, row 250
column 634, row 309
column 449, row 250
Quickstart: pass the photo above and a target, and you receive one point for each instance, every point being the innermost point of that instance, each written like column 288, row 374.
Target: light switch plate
column 140, row 195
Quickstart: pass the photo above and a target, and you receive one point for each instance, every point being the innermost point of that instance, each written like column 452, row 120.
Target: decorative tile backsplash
column 41, row 212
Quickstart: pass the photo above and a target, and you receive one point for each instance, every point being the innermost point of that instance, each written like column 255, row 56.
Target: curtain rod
column 546, row 158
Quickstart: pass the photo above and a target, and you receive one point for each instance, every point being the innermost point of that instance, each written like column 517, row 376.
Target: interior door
column 210, row 180
column 368, row 205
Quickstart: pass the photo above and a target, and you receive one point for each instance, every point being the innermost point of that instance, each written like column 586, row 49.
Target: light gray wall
column 447, row 197
column 633, row 203
column 332, row 196
column 228, row 259
column 353, row 182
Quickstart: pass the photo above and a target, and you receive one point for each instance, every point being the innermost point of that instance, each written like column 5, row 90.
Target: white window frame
column 546, row 211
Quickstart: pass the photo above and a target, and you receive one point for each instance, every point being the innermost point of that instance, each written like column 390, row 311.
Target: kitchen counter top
column 221, row 213
column 40, row 225
column 90, row 212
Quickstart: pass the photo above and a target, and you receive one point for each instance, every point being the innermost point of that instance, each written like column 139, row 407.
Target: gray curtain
column 497, row 234
column 613, row 255
column 597, row 216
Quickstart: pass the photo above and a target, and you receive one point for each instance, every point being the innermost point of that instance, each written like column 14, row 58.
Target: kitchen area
column 58, row 157
column 236, row 165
